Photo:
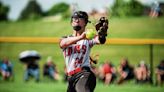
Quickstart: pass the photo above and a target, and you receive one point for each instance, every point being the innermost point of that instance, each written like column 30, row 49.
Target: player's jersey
column 77, row 55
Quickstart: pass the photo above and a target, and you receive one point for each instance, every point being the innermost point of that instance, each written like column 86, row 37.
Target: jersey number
column 78, row 62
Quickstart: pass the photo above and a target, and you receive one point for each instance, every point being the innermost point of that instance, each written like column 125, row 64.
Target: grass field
column 61, row 87
column 119, row 28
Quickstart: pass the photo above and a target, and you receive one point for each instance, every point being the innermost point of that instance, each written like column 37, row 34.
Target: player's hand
column 83, row 35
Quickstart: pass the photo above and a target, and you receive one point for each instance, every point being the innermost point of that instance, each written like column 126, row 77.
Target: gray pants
column 84, row 81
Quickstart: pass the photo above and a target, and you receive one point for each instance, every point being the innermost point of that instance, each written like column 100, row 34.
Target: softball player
column 76, row 50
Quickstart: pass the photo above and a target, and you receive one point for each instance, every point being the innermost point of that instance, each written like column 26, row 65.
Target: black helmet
column 80, row 14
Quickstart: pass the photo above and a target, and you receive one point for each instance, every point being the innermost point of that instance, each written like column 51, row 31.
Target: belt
column 77, row 70
column 74, row 71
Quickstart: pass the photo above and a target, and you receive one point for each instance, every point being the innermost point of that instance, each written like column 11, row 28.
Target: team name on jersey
column 76, row 49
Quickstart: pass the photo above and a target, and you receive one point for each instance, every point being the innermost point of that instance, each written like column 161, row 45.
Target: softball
column 90, row 34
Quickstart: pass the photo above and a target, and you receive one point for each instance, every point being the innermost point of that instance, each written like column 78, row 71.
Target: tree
column 118, row 8
column 60, row 8
column 31, row 11
column 3, row 12
column 136, row 8
column 129, row 8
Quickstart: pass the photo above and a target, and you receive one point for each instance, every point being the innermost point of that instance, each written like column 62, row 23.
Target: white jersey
column 77, row 55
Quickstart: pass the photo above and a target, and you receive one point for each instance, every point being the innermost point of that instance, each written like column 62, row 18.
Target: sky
column 16, row 6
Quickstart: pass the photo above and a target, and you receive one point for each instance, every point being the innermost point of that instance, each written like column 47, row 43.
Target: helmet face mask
column 80, row 15
column 77, row 28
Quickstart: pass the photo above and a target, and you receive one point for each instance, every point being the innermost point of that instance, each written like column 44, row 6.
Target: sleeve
column 62, row 39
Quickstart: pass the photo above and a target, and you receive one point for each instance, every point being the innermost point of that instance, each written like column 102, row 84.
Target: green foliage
column 3, row 12
column 60, row 8
column 66, row 14
column 31, row 11
column 128, row 8
column 136, row 8
column 118, row 8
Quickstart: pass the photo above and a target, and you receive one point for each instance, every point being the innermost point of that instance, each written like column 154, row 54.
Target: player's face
column 123, row 62
column 78, row 22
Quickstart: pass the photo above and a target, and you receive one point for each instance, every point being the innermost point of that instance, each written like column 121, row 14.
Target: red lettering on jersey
column 75, row 64
column 77, row 49
column 80, row 60
column 84, row 48
column 69, row 51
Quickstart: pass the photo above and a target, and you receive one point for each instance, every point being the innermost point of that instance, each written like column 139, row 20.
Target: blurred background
column 135, row 33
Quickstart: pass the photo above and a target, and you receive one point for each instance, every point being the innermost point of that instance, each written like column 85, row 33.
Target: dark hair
column 80, row 14
column 162, row 61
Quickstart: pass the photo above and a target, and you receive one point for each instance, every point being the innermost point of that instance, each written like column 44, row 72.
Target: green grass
column 107, row 52
column 32, row 87
column 119, row 28
column 137, row 28
column 144, row 27
column 61, row 87
column 114, row 53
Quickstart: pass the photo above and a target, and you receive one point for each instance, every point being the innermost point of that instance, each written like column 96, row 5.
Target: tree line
column 33, row 10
